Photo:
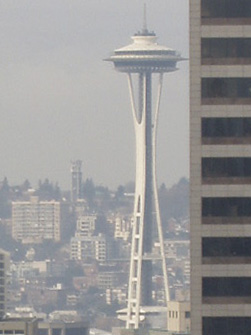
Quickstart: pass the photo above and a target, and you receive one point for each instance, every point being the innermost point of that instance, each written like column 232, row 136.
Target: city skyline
column 55, row 89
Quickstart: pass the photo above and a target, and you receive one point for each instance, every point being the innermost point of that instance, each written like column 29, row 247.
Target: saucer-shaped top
column 145, row 54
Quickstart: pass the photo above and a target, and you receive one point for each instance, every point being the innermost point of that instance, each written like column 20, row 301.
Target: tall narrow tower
column 76, row 180
column 141, row 59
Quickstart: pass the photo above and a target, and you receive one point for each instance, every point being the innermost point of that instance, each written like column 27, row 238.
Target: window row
column 226, row 287
column 16, row 331
column 226, row 207
column 226, row 246
column 226, row 88
column 226, row 127
column 226, row 167
column 226, row 325
column 225, row 8
column 214, row 48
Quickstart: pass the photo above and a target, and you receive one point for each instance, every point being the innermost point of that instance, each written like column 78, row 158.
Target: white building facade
column 34, row 221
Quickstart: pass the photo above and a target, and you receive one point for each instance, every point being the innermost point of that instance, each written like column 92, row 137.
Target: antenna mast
column 144, row 20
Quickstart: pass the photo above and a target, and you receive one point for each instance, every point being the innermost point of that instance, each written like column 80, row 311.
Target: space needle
column 141, row 60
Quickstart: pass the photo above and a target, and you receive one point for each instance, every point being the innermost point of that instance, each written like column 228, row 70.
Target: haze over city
column 60, row 101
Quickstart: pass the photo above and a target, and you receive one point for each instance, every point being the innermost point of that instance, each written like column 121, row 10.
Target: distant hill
column 174, row 202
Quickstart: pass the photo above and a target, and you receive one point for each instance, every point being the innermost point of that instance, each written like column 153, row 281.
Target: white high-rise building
column 34, row 221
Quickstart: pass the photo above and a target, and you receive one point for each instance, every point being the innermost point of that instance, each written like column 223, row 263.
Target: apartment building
column 34, row 221
column 98, row 247
column 86, row 225
column 220, row 143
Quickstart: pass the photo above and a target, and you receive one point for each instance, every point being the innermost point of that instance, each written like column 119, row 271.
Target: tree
column 47, row 191
column 89, row 192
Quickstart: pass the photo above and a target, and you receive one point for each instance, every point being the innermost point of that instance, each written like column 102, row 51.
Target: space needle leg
column 134, row 286
column 155, row 191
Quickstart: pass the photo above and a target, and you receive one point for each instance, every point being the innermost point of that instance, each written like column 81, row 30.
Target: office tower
column 220, row 124
column 34, row 221
column 4, row 267
column 143, row 59
column 76, row 180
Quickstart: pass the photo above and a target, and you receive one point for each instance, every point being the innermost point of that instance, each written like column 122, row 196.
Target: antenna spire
column 145, row 20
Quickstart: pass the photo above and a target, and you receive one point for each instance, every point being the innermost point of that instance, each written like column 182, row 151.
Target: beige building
column 33, row 326
column 178, row 317
column 19, row 327
column 59, row 327
column 220, row 124
column 34, row 221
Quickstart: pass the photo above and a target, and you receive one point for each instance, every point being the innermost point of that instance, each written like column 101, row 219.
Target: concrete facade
column 34, row 220
column 220, row 196
column 178, row 316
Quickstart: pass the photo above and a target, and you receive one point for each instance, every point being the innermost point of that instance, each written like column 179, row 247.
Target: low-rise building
column 178, row 317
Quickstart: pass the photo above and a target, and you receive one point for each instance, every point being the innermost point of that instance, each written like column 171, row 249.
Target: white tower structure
column 143, row 58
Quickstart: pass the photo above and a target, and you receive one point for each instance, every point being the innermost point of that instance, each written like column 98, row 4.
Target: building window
column 226, row 207
column 226, row 325
column 226, row 287
column 226, row 50
column 225, row 8
column 226, row 130
column 225, row 88
column 226, row 246
column 75, row 331
column 225, row 168
column 187, row 315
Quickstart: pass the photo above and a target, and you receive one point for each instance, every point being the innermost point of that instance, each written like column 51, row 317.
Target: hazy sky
column 60, row 101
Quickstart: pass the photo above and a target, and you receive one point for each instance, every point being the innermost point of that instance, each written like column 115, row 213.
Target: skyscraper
column 143, row 58
column 220, row 125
